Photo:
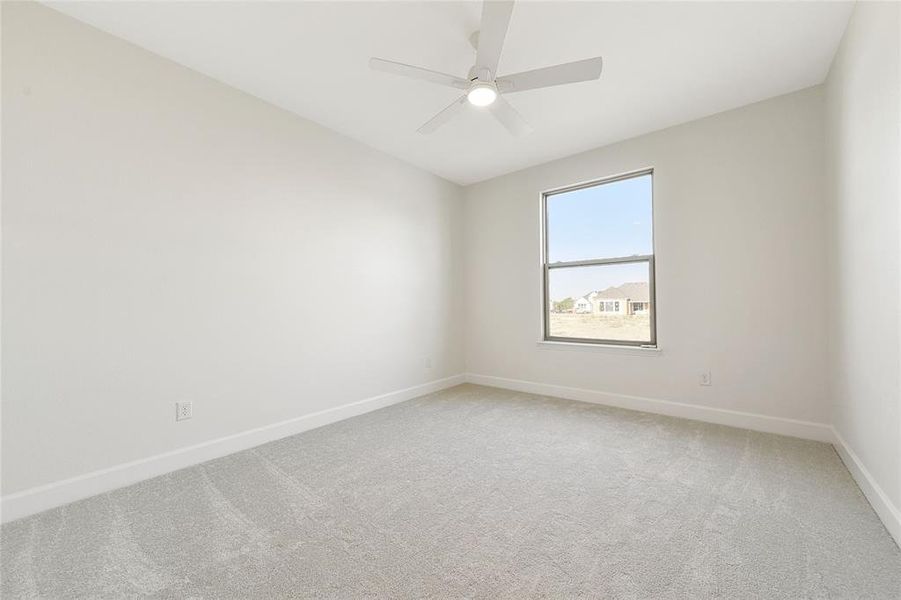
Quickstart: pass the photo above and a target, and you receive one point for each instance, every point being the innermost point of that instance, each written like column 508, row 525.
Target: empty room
column 465, row 299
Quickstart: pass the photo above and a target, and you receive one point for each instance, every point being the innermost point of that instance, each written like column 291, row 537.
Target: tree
column 565, row 305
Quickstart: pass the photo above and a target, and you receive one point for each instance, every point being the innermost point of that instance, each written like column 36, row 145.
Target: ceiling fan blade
column 443, row 117
column 574, row 72
column 504, row 112
column 495, row 19
column 389, row 66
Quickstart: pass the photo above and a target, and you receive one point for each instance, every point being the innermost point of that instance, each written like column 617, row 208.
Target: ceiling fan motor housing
column 480, row 73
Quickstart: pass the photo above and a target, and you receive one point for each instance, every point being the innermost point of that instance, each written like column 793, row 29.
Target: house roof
column 637, row 291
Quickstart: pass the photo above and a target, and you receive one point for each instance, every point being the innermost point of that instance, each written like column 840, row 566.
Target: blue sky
column 604, row 221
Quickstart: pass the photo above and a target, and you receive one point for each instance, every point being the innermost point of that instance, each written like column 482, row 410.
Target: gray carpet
column 475, row 492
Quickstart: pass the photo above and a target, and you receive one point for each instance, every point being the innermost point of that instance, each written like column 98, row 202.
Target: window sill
column 602, row 348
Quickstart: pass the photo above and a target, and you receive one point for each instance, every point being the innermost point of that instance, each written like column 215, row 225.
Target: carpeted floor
column 475, row 492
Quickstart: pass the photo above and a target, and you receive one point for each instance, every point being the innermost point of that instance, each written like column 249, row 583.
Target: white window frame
column 647, row 258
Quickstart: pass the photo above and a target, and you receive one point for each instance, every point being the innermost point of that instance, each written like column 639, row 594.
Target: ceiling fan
column 483, row 88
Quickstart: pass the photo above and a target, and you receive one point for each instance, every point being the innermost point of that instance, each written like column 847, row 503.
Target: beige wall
column 864, row 154
column 738, row 201
column 166, row 237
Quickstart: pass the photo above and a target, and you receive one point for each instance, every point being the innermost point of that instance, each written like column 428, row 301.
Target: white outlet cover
column 705, row 378
column 183, row 411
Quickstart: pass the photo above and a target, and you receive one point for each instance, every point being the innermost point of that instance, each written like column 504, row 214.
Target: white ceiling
column 665, row 63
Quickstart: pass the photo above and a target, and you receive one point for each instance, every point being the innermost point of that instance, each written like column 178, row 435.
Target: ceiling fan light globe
column 482, row 95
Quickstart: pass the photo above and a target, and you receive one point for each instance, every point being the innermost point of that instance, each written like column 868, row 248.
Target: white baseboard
column 807, row 430
column 888, row 512
column 37, row 499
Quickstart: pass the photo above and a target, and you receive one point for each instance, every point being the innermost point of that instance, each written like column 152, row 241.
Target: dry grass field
column 619, row 327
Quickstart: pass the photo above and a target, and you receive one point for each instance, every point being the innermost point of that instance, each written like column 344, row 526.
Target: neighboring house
column 583, row 306
column 626, row 299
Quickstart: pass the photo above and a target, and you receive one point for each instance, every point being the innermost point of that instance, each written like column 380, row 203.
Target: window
column 599, row 244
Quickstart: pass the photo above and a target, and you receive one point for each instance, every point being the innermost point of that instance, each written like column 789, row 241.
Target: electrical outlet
column 428, row 363
column 705, row 378
column 183, row 411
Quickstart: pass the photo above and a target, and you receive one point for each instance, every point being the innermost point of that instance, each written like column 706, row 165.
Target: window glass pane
column 603, row 221
column 600, row 302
